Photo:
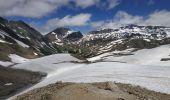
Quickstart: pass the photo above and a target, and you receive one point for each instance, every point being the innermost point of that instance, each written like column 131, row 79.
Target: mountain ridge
column 64, row 40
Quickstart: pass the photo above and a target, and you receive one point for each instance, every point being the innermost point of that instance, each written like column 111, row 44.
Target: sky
column 86, row 15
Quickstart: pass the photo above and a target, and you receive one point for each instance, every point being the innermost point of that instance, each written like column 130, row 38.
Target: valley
column 138, row 72
column 135, row 55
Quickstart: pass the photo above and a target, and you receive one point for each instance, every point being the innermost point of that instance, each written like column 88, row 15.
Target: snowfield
column 144, row 68
column 141, row 57
column 6, row 63
column 15, row 59
column 49, row 64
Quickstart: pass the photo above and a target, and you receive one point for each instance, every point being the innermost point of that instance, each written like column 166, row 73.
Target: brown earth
column 92, row 91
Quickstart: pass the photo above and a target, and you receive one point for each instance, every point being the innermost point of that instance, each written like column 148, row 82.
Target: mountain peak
column 65, row 34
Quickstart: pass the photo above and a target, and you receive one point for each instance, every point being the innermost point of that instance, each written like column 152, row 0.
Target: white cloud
column 159, row 18
column 112, row 3
column 40, row 8
column 86, row 3
column 123, row 18
column 77, row 20
column 29, row 8
column 97, row 24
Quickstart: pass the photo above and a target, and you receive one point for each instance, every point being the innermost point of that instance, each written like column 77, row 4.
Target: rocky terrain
column 92, row 91
column 130, row 36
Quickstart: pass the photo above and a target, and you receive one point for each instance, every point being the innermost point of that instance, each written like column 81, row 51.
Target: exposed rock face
column 130, row 36
column 61, row 35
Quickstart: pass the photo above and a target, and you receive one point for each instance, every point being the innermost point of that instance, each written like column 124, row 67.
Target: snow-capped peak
column 68, row 33
column 152, row 32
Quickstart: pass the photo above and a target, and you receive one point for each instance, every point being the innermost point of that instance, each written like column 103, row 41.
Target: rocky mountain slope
column 63, row 35
column 16, row 37
column 130, row 36
column 63, row 39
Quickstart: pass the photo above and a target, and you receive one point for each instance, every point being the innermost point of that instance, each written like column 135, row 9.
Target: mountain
column 64, row 40
column 130, row 31
column 61, row 35
column 16, row 37
column 129, row 36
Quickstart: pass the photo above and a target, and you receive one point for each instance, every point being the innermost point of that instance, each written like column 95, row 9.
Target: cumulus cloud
column 120, row 19
column 67, row 21
column 97, row 24
column 112, row 3
column 159, row 18
column 86, row 3
column 77, row 20
column 29, row 8
column 123, row 18
column 40, row 8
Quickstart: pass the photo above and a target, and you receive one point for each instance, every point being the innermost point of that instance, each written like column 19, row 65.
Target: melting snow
column 2, row 41
column 17, row 59
column 8, row 84
column 144, row 68
column 5, row 63
column 22, row 44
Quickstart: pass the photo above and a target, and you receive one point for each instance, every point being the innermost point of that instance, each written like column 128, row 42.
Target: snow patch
column 17, row 59
column 35, row 53
column 148, row 40
column 22, row 44
column 5, row 63
column 145, row 57
column 2, row 41
column 68, row 33
column 8, row 84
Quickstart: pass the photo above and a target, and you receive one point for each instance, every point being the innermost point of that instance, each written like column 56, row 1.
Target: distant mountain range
column 17, row 37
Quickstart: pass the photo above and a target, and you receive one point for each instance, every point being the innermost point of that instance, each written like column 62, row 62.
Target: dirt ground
column 92, row 91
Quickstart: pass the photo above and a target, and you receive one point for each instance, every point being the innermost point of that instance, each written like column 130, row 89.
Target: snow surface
column 142, row 57
column 17, row 59
column 68, row 33
column 152, row 77
column 14, row 59
column 5, row 63
column 144, row 69
column 2, row 41
column 109, row 54
column 22, row 44
column 48, row 64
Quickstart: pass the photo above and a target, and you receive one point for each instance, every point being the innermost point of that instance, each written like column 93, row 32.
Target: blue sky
column 86, row 15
